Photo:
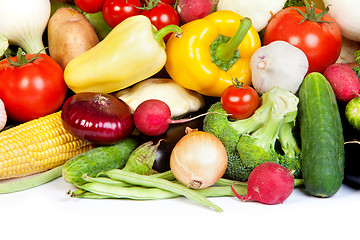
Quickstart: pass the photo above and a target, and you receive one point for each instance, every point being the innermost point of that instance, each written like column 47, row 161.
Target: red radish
column 152, row 117
column 190, row 10
column 343, row 80
column 268, row 183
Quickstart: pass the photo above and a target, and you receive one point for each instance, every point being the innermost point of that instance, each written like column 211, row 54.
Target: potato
column 69, row 35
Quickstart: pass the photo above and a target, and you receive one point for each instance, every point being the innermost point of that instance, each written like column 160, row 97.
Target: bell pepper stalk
column 211, row 52
column 133, row 51
column 227, row 51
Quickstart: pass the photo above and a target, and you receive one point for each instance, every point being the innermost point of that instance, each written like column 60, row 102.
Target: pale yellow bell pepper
column 133, row 51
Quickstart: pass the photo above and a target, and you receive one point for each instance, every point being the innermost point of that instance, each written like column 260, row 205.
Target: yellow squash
column 130, row 53
column 211, row 52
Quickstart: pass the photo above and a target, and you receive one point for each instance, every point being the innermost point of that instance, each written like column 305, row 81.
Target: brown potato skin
column 69, row 35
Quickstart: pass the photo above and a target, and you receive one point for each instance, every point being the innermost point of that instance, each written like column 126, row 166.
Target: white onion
column 198, row 160
column 23, row 23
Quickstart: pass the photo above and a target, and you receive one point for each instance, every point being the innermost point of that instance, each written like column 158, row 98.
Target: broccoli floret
column 266, row 136
column 219, row 125
column 252, row 154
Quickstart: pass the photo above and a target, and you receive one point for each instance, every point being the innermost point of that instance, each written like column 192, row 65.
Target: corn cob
column 37, row 146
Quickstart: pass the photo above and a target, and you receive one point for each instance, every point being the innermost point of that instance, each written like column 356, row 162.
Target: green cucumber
column 322, row 139
column 98, row 160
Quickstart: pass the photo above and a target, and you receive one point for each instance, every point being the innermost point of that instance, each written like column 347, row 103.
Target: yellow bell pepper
column 133, row 51
column 211, row 52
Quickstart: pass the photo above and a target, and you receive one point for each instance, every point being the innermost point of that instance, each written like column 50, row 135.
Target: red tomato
column 90, row 6
column 321, row 42
column 162, row 15
column 116, row 11
column 240, row 101
column 32, row 90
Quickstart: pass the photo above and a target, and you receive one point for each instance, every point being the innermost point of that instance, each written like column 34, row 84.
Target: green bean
column 105, row 180
column 222, row 191
column 136, row 192
column 228, row 182
column 165, row 175
column 80, row 193
column 100, row 191
column 168, row 175
column 149, row 181
column 298, row 182
column 30, row 182
column 89, row 195
column 75, row 193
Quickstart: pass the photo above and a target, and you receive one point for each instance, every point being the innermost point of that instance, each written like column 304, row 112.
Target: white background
column 47, row 212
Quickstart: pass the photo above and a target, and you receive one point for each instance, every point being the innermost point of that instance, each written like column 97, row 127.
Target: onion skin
column 198, row 160
column 101, row 119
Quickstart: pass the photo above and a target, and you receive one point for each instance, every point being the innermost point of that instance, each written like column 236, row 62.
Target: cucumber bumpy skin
column 322, row 137
column 97, row 160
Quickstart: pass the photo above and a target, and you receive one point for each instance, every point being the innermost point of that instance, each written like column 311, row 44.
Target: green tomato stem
column 311, row 15
column 21, row 58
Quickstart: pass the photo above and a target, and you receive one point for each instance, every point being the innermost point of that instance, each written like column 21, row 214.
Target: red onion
column 98, row 118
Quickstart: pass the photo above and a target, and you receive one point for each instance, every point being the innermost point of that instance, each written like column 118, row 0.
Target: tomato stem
column 21, row 58
column 149, row 4
column 237, row 83
column 311, row 15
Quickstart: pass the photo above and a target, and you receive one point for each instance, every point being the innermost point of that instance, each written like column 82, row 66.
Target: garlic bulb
column 3, row 116
column 23, row 23
column 278, row 64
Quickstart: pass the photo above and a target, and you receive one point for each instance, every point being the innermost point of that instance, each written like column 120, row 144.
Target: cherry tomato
column 32, row 90
column 321, row 42
column 116, row 11
column 90, row 6
column 240, row 101
column 162, row 15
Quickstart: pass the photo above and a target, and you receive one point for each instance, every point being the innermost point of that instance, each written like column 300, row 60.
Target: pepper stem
column 160, row 34
column 225, row 50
